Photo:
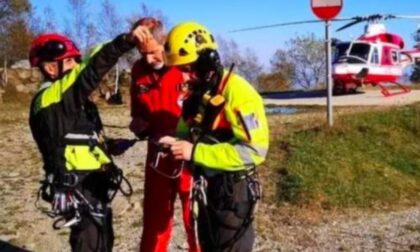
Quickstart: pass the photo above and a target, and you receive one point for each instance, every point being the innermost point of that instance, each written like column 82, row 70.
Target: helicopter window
column 360, row 51
column 395, row 56
column 340, row 50
column 375, row 56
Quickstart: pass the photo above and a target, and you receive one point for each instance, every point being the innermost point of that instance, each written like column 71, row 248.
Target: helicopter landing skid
column 387, row 92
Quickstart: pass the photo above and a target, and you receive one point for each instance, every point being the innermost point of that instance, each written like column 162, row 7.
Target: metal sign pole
column 329, row 77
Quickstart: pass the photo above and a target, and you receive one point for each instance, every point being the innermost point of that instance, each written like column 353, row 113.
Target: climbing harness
column 68, row 203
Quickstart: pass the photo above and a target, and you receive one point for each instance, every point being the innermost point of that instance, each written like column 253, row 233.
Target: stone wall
column 25, row 82
column 21, row 80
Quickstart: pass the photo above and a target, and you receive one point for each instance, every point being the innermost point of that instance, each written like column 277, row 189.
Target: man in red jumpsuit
column 157, row 94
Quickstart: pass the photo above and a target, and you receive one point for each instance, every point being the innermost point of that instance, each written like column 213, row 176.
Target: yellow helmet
column 185, row 41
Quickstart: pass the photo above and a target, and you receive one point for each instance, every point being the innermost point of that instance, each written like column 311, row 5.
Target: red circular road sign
column 326, row 9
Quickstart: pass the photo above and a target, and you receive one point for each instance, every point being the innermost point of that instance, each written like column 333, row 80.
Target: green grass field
column 367, row 159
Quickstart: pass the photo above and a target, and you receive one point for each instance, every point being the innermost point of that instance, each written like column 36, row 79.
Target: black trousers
column 94, row 234
column 224, row 225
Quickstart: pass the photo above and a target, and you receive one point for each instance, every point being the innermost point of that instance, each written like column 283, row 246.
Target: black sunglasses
column 52, row 50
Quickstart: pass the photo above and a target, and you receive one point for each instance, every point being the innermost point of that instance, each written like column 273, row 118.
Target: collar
column 45, row 85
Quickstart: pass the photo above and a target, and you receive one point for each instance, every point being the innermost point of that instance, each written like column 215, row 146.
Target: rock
column 136, row 205
column 24, row 74
column 36, row 75
column 21, row 88
column 22, row 64
column 32, row 87
column 9, row 235
column 13, row 175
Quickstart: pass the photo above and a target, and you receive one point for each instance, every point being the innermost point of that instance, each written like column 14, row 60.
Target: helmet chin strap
column 60, row 65
column 61, row 72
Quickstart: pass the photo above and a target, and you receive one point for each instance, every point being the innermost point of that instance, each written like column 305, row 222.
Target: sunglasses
column 54, row 49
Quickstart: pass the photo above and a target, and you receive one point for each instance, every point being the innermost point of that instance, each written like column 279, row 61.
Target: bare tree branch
column 306, row 54
column 246, row 62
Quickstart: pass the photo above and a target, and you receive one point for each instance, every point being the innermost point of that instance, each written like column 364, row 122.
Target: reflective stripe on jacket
column 244, row 112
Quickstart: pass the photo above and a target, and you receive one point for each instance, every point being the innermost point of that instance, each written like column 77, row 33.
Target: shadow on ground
column 7, row 247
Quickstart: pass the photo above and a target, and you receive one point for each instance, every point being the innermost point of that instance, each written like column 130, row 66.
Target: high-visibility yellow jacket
column 64, row 123
column 244, row 115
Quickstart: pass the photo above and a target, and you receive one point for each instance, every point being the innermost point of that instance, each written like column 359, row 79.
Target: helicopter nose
column 341, row 68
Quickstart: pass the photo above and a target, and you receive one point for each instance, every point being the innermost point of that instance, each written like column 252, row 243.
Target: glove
column 139, row 127
column 118, row 146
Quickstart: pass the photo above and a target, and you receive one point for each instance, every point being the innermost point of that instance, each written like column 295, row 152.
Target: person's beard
column 158, row 66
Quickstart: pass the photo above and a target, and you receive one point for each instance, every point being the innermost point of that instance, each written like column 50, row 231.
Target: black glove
column 118, row 146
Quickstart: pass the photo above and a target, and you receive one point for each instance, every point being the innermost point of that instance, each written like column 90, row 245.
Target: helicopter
column 377, row 57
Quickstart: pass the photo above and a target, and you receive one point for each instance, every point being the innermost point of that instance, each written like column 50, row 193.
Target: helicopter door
column 386, row 58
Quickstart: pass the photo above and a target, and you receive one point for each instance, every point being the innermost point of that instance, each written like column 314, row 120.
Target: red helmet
column 51, row 47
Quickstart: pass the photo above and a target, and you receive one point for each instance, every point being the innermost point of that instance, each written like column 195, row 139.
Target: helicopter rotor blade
column 374, row 17
column 274, row 25
column 284, row 24
column 356, row 21
column 407, row 16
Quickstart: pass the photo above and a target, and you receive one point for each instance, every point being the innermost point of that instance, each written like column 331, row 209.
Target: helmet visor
column 54, row 50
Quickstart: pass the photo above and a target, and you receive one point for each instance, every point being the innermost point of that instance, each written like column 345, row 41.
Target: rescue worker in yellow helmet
column 223, row 134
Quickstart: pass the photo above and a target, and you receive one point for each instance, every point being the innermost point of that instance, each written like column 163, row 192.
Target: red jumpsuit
column 156, row 97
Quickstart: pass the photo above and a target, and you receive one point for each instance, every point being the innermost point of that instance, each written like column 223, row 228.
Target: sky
column 220, row 17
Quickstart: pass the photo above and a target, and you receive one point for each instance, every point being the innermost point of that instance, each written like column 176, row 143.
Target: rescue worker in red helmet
column 157, row 94
column 81, row 178
column 224, row 135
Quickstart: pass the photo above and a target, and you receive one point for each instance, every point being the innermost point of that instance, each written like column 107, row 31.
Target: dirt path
column 22, row 226
column 368, row 98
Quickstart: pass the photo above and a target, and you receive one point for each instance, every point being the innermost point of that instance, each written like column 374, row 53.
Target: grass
column 368, row 159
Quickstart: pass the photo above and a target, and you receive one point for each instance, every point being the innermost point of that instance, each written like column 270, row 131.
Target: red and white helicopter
column 376, row 57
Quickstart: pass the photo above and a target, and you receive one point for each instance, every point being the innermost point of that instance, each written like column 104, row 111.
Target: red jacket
column 156, row 97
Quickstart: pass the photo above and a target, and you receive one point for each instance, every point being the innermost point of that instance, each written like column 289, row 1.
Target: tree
column 49, row 24
column 273, row 82
column 18, row 37
column 415, row 74
column 45, row 23
column 109, row 28
column 80, row 27
column 113, row 24
column 303, row 60
column 146, row 11
column 246, row 62
column 11, row 10
column 280, row 77
column 14, row 30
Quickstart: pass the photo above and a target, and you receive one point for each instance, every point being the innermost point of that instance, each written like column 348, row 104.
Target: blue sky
column 223, row 16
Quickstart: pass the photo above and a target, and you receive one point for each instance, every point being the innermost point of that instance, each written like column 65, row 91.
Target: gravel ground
column 22, row 226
